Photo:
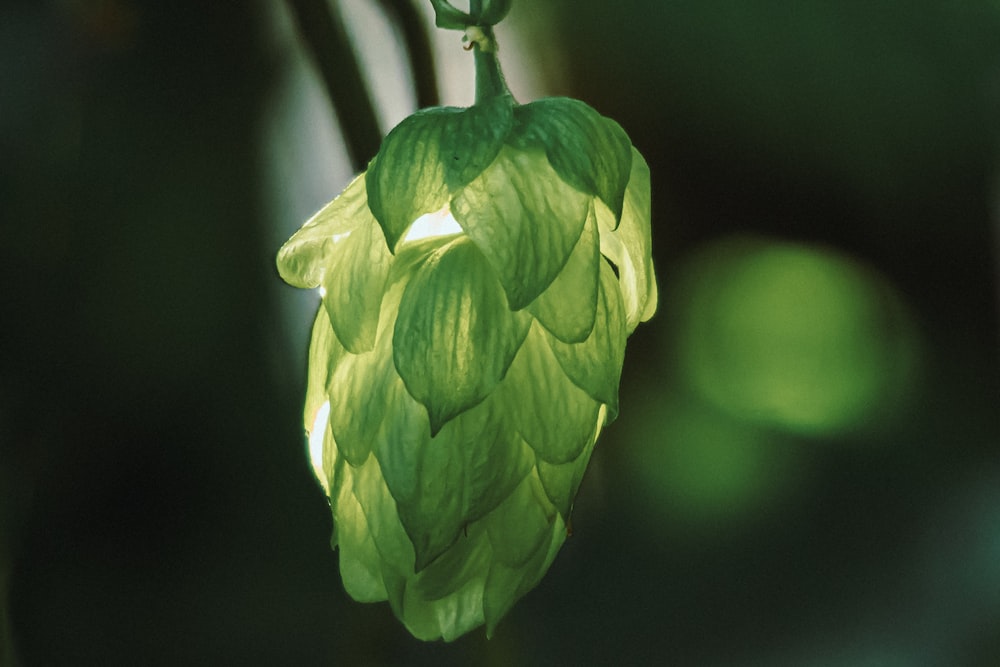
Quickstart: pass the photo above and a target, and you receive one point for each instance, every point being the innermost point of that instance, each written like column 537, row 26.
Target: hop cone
column 479, row 282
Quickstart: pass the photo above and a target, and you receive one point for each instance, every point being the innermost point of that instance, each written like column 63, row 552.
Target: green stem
column 490, row 81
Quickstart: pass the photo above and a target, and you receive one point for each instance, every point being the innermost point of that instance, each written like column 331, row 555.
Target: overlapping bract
column 458, row 383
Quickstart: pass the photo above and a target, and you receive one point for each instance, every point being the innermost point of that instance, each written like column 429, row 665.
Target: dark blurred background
column 806, row 469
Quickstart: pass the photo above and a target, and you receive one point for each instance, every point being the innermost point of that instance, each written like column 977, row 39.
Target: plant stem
column 490, row 81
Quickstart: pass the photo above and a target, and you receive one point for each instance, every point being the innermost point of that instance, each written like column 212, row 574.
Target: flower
column 479, row 281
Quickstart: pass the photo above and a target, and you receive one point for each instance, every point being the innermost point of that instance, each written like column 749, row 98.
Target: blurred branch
column 323, row 30
column 418, row 49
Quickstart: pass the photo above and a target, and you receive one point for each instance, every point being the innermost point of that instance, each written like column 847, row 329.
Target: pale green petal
column 495, row 458
column 430, row 155
column 360, row 567
column 449, row 482
column 562, row 481
column 304, row 258
column 447, row 618
column 325, row 352
column 400, row 441
column 418, row 617
column 432, row 516
column 354, row 282
column 387, row 532
column 521, row 523
column 354, row 417
column 406, row 178
column 404, row 448
column 456, row 606
column 590, row 152
column 457, row 613
column 595, row 365
column 630, row 246
column 467, row 560
column 455, row 336
column 568, row 307
column 408, row 259
column 405, row 429
column 555, row 417
column 446, row 599
column 525, row 219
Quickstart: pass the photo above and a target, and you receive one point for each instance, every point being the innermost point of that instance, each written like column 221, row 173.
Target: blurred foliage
column 792, row 336
column 158, row 503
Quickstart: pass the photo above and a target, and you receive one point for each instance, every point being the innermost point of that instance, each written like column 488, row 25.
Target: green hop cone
column 478, row 283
